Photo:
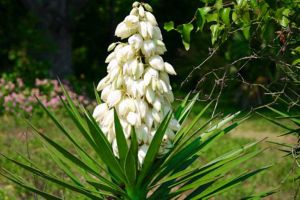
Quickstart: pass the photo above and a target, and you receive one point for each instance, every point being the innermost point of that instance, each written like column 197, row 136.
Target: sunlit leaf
column 201, row 17
column 225, row 15
column 168, row 26
column 185, row 31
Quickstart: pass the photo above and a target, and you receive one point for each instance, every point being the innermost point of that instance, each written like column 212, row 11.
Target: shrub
column 16, row 98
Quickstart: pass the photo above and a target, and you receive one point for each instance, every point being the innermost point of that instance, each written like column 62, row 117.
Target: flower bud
column 136, row 41
column 151, row 18
column 134, row 11
column 102, row 83
column 135, row 4
column 148, row 7
column 157, row 62
column 139, row 71
column 132, row 118
column 133, row 66
column 105, row 92
column 142, row 134
column 110, row 57
column 157, row 104
column 157, row 115
column 149, row 74
column 150, row 96
column 114, row 97
column 131, row 20
column 143, row 29
column 111, row 46
column 150, row 29
column 100, row 111
column 122, row 30
column 115, row 147
column 149, row 119
column 141, row 88
column 142, row 108
column 148, row 48
column 174, row 125
column 141, row 11
column 169, row 68
column 142, row 153
column 122, row 107
column 111, row 136
column 157, row 33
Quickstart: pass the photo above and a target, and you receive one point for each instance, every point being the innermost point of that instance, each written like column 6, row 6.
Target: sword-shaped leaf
column 121, row 140
column 154, row 147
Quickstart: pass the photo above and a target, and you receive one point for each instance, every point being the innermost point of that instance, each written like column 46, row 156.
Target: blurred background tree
column 254, row 43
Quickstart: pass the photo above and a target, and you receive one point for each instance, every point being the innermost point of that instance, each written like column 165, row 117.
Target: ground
column 16, row 137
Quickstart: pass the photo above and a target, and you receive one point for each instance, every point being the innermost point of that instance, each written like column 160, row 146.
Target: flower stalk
column 137, row 84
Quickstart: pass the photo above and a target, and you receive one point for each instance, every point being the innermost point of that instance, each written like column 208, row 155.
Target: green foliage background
column 266, row 30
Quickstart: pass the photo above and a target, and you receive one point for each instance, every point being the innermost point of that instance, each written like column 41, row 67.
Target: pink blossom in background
column 2, row 81
column 20, row 82
column 16, row 97
column 35, row 92
column 81, row 98
column 7, row 99
column 40, row 82
column 28, row 109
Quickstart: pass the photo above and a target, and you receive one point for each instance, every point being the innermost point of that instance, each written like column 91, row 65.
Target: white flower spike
column 137, row 84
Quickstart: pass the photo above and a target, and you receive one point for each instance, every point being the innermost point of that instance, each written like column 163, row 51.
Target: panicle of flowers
column 137, row 84
column 16, row 97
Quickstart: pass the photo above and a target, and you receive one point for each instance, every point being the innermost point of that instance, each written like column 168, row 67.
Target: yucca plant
column 142, row 149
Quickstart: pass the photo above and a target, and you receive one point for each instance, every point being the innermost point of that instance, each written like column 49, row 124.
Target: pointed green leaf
column 214, row 32
column 213, row 17
column 154, row 148
column 168, row 26
column 56, row 180
column 187, row 109
column 98, row 99
column 130, row 167
column 201, row 17
column 121, row 140
column 260, row 195
column 275, row 122
column 181, row 106
column 131, row 161
column 225, row 15
column 104, row 148
column 103, row 187
column 294, row 119
column 185, row 31
column 67, row 133
column 69, row 156
column 184, row 131
column 225, row 185
column 30, row 188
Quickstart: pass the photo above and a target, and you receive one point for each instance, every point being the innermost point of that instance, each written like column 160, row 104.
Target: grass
column 17, row 138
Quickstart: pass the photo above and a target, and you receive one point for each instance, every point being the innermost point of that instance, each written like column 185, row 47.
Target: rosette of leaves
column 105, row 176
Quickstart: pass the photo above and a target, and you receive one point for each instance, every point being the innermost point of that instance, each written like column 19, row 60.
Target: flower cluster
column 16, row 97
column 137, row 84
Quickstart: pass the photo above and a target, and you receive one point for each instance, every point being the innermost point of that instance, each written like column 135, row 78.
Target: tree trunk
column 55, row 21
column 61, row 57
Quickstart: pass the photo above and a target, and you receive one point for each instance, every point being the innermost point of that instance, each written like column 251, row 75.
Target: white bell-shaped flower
column 136, row 41
column 137, row 84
